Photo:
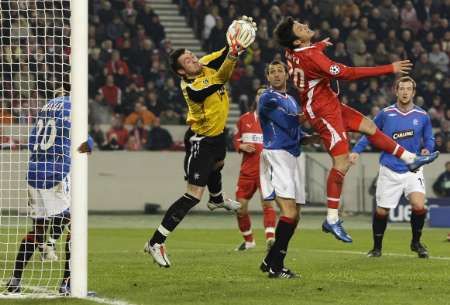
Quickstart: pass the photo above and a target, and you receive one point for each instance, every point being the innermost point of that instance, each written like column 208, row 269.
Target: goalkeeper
column 202, row 84
column 48, row 188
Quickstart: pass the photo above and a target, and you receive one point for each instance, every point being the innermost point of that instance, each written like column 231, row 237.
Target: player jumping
column 410, row 126
column 205, row 142
column 248, row 140
column 48, row 189
column 311, row 71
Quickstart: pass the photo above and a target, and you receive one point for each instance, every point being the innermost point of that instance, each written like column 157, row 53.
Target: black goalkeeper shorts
column 202, row 153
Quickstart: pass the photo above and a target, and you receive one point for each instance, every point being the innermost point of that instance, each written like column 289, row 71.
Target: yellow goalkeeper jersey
column 206, row 96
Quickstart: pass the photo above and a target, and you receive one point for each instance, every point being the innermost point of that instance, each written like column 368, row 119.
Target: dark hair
column 284, row 34
column 173, row 60
column 276, row 62
column 405, row 79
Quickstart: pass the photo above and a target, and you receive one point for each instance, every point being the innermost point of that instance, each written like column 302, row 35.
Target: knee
column 267, row 205
column 244, row 208
column 368, row 127
column 291, row 212
column 382, row 211
column 342, row 164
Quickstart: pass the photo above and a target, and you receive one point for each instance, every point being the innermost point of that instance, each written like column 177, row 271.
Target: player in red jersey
column 311, row 71
column 249, row 141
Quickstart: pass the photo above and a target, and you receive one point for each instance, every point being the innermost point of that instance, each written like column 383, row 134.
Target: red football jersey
column 311, row 71
column 248, row 130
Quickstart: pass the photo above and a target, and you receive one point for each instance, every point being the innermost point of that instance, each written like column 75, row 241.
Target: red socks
column 245, row 226
column 334, row 188
column 383, row 142
column 270, row 218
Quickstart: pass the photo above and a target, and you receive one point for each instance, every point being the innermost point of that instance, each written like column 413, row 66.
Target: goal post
column 79, row 133
column 43, row 52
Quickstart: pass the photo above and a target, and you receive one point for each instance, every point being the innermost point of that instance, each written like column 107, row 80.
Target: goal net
column 34, row 69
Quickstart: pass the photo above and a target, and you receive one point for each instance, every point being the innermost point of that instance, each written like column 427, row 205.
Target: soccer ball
column 243, row 27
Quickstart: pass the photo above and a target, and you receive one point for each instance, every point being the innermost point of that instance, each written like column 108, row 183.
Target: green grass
column 206, row 270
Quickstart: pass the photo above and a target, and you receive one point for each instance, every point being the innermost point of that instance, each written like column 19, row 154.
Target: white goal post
column 79, row 80
column 43, row 53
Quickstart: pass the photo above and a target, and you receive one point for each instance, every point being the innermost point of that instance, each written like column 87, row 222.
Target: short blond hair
column 405, row 79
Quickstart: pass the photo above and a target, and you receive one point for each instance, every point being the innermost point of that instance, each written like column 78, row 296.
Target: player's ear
column 297, row 42
column 181, row 72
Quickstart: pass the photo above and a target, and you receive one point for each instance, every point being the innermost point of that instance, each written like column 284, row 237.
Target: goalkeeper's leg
column 29, row 243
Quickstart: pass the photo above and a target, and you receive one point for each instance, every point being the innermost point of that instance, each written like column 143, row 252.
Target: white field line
column 445, row 258
column 48, row 294
column 107, row 301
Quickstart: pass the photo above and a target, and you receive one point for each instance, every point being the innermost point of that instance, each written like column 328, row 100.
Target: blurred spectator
column 117, row 135
column 441, row 186
column 157, row 32
column 111, row 93
column 440, row 143
column 153, row 103
column 438, row 58
column 159, row 138
column 140, row 113
column 117, row 66
column 409, row 17
column 137, row 137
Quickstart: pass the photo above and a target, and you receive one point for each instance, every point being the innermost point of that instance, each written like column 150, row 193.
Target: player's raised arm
column 340, row 71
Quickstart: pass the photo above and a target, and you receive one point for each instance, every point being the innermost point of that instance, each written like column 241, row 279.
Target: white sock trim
column 216, row 194
column 270, row 230
column 333, row 199
column 332, row 215
column 247, row 233
column 163, row 231
column 408, row 157
column 396, row 149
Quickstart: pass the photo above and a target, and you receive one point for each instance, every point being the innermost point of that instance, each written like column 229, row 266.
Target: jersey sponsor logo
column 403, row 134
column 335, row 70
column 248, row 137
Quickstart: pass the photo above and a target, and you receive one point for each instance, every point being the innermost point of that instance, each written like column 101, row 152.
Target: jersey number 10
column 298, row 77
column 47, row 132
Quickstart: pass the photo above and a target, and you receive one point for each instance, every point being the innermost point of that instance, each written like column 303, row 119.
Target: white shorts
column 391, row 186
column 281, row 175
column 46, row 203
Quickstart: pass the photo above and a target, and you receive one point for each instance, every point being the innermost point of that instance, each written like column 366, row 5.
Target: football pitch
column 207, row 270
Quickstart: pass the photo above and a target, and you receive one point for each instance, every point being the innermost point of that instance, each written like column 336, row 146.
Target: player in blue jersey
column 280, row 173
column 410, row 126
column 48, row 188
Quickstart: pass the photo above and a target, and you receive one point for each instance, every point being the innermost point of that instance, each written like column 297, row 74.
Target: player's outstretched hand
column 327, row 42
column 402, row 66
column 353, row 158
column 84, row 148
column 235, row 45
column 248, row 148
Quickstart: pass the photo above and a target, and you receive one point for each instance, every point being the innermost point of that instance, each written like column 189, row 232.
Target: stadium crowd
column 132, row 90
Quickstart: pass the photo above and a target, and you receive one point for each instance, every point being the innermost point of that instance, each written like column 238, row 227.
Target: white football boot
column 159, row 254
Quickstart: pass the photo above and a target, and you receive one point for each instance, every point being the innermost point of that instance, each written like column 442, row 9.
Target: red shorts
column 332, row 122
column 246, row 187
